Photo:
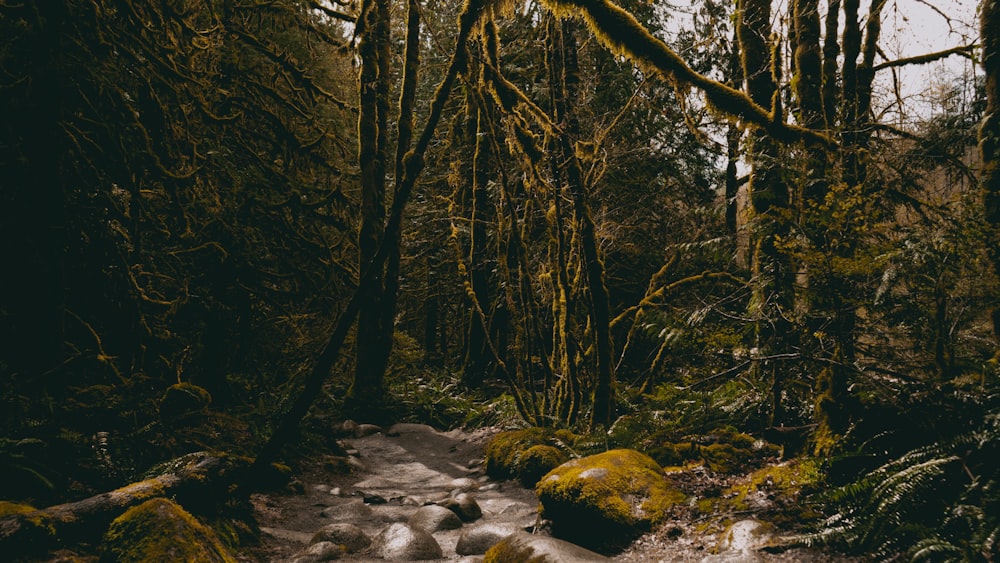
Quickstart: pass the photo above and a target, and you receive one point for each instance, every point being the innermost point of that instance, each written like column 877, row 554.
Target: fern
column 937, row 502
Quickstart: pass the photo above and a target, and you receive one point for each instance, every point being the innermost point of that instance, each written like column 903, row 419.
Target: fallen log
column 193, row 479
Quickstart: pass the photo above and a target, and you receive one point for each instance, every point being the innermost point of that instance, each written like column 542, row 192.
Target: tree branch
column 963, row 50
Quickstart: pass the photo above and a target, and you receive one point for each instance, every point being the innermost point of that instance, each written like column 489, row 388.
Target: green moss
column 506, row 450
column 160, row 530
column 784, row 483
column 7, row 508
column 606, row 497
column 536, row 461
column 506, row 552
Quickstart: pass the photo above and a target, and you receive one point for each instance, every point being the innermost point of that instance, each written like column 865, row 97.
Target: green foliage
column 935, row 502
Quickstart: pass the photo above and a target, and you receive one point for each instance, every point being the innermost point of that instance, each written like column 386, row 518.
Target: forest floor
column 396, row 471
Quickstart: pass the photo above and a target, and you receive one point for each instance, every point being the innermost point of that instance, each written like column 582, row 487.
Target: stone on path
column 346, row 534
column 476, row 540
column 434, row 518
column 403, row 542
column 523, row 546
column 353, row 511
column 465, row 506
column 321, row 551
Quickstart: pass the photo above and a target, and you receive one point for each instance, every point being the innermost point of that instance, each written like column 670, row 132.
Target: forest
column 674, row 226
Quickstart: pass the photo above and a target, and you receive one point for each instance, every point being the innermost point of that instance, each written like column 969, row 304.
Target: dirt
column 394, row 472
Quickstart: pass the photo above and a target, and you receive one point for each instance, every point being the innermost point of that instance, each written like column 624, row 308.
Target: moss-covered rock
column 506, row 450
column 536, row 461
column 160, row 530
column 529, row 548
column 606, row 500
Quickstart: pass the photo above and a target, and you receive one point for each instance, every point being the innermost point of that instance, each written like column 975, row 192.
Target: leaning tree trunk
column 196, row 479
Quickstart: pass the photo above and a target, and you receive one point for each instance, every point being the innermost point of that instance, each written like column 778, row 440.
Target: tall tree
column 989, row 138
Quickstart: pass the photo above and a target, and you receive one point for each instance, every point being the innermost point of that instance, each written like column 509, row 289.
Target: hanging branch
column 623, row 34
column 967, row 51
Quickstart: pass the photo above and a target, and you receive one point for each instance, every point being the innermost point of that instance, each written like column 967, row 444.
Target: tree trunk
column 989, row 140
column 773, row 298
column 372, row 346
column 476, row 353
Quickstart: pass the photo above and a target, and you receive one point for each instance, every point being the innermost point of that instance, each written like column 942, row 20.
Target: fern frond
column 935, row 549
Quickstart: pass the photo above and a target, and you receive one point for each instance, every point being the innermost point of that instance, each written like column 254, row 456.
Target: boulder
column 606, row 500
column 345, row 534
column 464, row 505
column 476, row 540
column 523, row 546
column 319, row 551
column 536, row 461
column 354, row 511
column 505, row 450
column 160, row 530
column 403, row 542
column 434, row 518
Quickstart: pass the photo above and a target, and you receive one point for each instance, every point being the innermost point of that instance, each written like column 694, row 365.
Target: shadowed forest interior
column 227, row 225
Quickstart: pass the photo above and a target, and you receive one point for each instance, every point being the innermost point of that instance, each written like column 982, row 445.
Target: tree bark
column 989, row 140
column 773, row 298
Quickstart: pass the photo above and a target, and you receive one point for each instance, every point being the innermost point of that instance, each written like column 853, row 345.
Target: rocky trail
column 412, row 493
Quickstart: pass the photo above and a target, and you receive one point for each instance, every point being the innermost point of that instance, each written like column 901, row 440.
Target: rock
column 434, row 518
column 476, row 540
column 745, row 534
column 345, row 534
column 739, row 542
column 463, row 484
column 363, row 430
column 606, row 500
column 321, row 488
column 287, row 535
column 320, row 551
column 336, row 491
column 536, row 461
column 403, row 542
column 346, row 428
column 354, row 511
column 523, row 546
column 408, row 428
column 160, row 530
column 738, row 556
column 465, row 506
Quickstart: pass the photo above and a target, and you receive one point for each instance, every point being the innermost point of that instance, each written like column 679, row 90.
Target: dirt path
column 395, row 472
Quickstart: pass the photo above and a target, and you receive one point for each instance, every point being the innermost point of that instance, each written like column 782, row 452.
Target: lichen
column 161, row 530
